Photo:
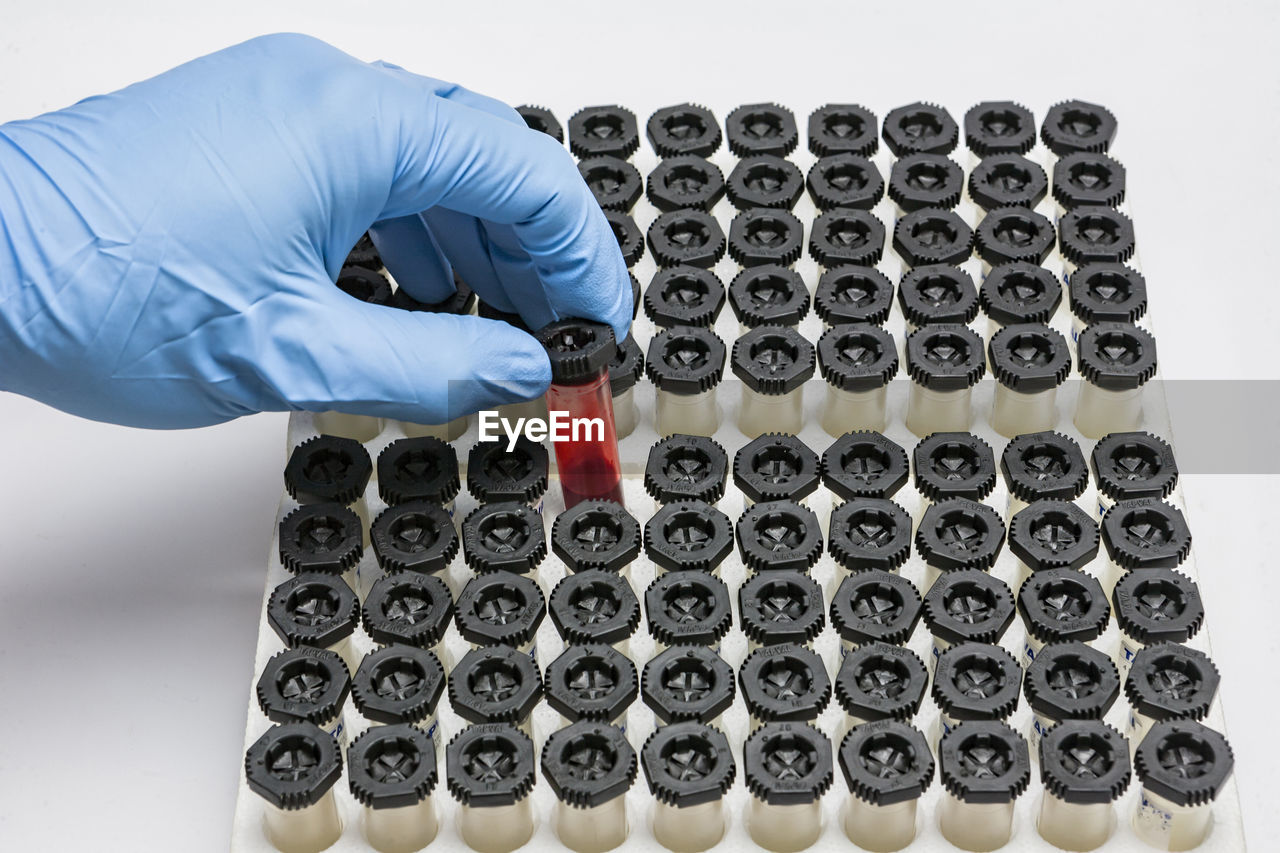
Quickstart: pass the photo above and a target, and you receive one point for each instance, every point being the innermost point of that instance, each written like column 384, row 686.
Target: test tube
column 773, row 365
column 625, row 369
column 686, row 467
column 957, row 534
column 1116, row 360
column 874, row 606
column 984, row 767
column 925, row 180
column 683, row 129
column 684, row 296
column 944, row 362
column 845, row 180
column 490, row 770
column 688, row 535
column 887, row 766
column 967, row 606
column 400, row 684
column 1085, row 768
column 864, row 464
column 1155, row 605
column 328, row 469
column 689, row 768
column 784, row 684
column 685, row 364
column 596, row 683
column 1042, row 466
column 419, row 469
column 417, row 536
column 1029, row 362
column 293, row 767
column 608, row 130
column 1018, row 292
column 1183, row 766
column 1060, row 606
column 879, row 682
column 685, row 181
column 1106, row 293
column 501, row 608
column 776, row 467
column 768, row 295
column 937, row 293
column 408, row 608
column 688, row 608
column 321, row 538
column 842, row 236
column 305, row 684
column 992, row 128
column 838, row 128
column 869, row 534
column 932, row 236
column 595, row 606
column 975, row 681
column 614, row 182
column 952, row 465
column 1167, row 681
column 589, row 767
column 787, row 767
column 1069, row 681
column 596, row 535
column 506, row 536
column 1015, row 233
column 542, row 120
column 495, row 684
column 1078, row 126
column 857, row 362
column 1007, row 180
column 1087, row 178
column 853, row 295
column 391, row 771
column 316, row 610
column 356, row 427
column 1094, row 234
column 781, row 607
column 1052, row 535
column 580, row 353
column 762, row 237
column 778, row 536
column 1129, row 465
column 1143, row 533
column 687, row 683
column 920, row 126
column 497, row 473
column 764, row 180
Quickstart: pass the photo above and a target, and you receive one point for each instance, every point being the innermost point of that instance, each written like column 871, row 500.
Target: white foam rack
column 1227, row 835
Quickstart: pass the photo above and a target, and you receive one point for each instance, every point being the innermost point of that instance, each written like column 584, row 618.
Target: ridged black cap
column 878, row 681
column 364, row 254
column 683, row 182
column 686, row 236
column 488, row 312
column 1116, row 356
column 461, row 301
column 984, row 761
column 408, row 608
column 684, row 296
column 1044, row 465
column 303, row 684
column 614, row 182
column 398, row 684
column 1184, row 761
column 497, row 684
column 853, row 294
column 683, row 129
column 364, row 284
column 960, row 534
column 391, row 767
column 765, row 180
column 542, row 120
column 875, row 606
column 688, row 608
column 415, row 536
column 925, row 180
column 976, row 681
column 627, row 366
column 770, row 295
column 607, row 130
column 686, row 467
column 938, row 293
column 1129, row 465
column 762, row 236
column 781, row 607
column 858, row 357
column 1019, row 292
column 594, row 606
column 500, row 608
column 778, row 535
column 999, row 127
column 787, row 764
column 418, row 469
column 293, row 765
column 784, row 683
column 846, row 235
column 596, row 534
column 843, row 128
column 920, row 127
column 588, row 764
column 761, row 129
column 945, row 357
column 313, row 610
column 591, row 682
column 687, row 764
column 320, row 538
column 968, row 606
column 505, row 536
column 954, row 465
column 1007, row 180
column 578, row 349
column 1084, row 762
column 1063, row 605
column 864, row 464
column 1071, row 681
column 845, row 180
column 1108, row 292
column 1052, row 534
column 1009, row 234
column 932, row 236
column 1093, row 234
column 688, row 534
column 1029, row 357
column 773, row 360
column 490, row 765
column 687, row 683
column 886, row 762
column 627, row 233
column 1169, row 681
column 775, row 467
column 1145, row 533
column 869, row 533
column 685, row 360
column 1078, row 126
column 1155, row 605
column 495, row 473
column 1087, row 178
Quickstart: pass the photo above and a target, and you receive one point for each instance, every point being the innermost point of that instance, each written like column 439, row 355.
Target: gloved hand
column 169, row 250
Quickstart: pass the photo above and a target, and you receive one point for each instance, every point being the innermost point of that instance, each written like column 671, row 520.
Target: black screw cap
column 1007, row 180
column 886, row 762
column 1168, row 681
column 938, row 293
column 857, row 357
column 769, row 295
column 685, row 182
column 1078, row 126
column 1146, row 534
column 497, row 684
column 627, row 233
column 685, row 360
column 505, row 536
column 1084, row 762
column 596, row 534
column 500, row 608
column 1029, row 357
column 542, row 120
column 984, row 761
column 611, row 130
column 1129, row 465
column 398, row 684
column 968, row 606
column 627, row 366
column 932, row 236
column 364, row 254
column 1071, row 681
column 591, row 682
column 845, row 235
column 320, row 538
column 869, row 533
column 1107, row 292
column 1184, row 761
column 773, row 360
column 1063, row 605
column 853, row 294
column 843, row 128
column 408, row 608
column 781, row 607
column 920, row 127
column 878, row 681
column 925, row 180
column 293, row 765
column 688, row 608
column 684, row 296
column 1085, row 178
column 954, row 465
column 845, row 180
column 461, row 301
column 1095, row 234
column 1008, row 234
column 778, row 536
column 687, row 764
column 686, row 467
column 688, row 534
column 1053, row 535
column 1158, row 605
column 945, row 357
column 784, row 683
column 1019, row 292
column 686, row 236
column 1043, row 466
column 303, row 684
column 999, row 127
column 490, row 765
column 687, row 683
column 497, row 474
column 960, row 534
column 364, row 284
column 762, row 236
column 588, row 764
column 615, row 183
column 391, row 767
column 976, row 681
column 578, row 349
column 683, row 129
column 1116, row 356
column 765, row 181
column 875, row 606
column 418, row 469
column 787, row 764
column 415, row 536
column 313, row 609
column 761, row 129
column 776, row 467
column 594, row 606
column 864, row 464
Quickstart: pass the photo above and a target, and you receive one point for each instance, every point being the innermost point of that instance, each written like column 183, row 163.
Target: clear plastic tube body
column 445, row 432
column 496, row 829
column 847, row 411
column 588, row 462
column 761, row 413
column 1074, row 826
column 528, row 409
column 592, row 830
column 625, row 414
column 1165, row 825
column 688, row 830
column 307, row 830
column 691, row 414
column 880, row 829
column 1014, row 413
column 937, row 411
column 360, row 427
column 401, row 830
column 975, row 826
column 784, row 829
column 1099, row 411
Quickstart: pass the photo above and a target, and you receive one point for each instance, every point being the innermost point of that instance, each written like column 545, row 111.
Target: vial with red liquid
column 586, row 440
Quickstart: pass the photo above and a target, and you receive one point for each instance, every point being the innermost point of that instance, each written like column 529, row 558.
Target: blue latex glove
column 169, row 250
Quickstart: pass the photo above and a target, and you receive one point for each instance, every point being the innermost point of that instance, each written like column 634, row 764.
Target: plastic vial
column 408, row 608
column 596, row 535
column 864, row 464
column 608, row 130
column 880, row 682
column 1116, row 360
column 937, row 293
column 925, row 180
column 490, row 771
column 590, row 767
column 778, row 536
column 781, row 607
column 1029, row 362
column 391, row 771
column 686, row 237
column 957, row 534
column 689, row 768
column 593, row 682
column 1078, row 126
column 686, row 467
column 495, row 684
column 968, row 606
column 614, row 182
column 869, row 534
column 853, row 294
column 1143, row 533
column 625, row 231
column 305, row 684
column 857, row 362
column 773, row 363
column 685, row 182
column 1085, row 768
column 999, row 127
column 932, row 236
column 887, row 766
column 684, row 296
column 463, row 300
column 953, row 465
column 761, row 129
column 1061, row 606
column 501, row 608
column 419, row 469
column 589, row 466
column 874, row 606
column 1106, row 293
column 984, row 767
column 1007, row 180
column 788, row 767
column 316, row 610
column 542, row 120
column 762, row 237
column 784, row 683
column 329, row 469
column 683, row 129
column 975, row 681
column 1086, row 178
column 1042, row 466
column 416, row 536
column 1069, row 681
column 768, row 295
column 944, row 362
column 685, row 364
column 1094, row 235
column 776, row 467
column 625, row 370
column 496, row 474
column 595, row 606
column 322, row 538
column 356, row 427
column 843, row 236
column 1130, row 465
column 1052, row 535
column 688, row 608
column 687, row 683
column 1153, row 606
column 1008, row 234
column 400, row 684
column 505, row 536
column 688, row 535
column 920, row 127
column 764, row 180
column 840, row 128
column 1183, row 766
column 1167, row 682
column 844, row 180
column 293, row 767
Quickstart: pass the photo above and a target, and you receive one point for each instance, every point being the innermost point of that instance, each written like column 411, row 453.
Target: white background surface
column 133, row 561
